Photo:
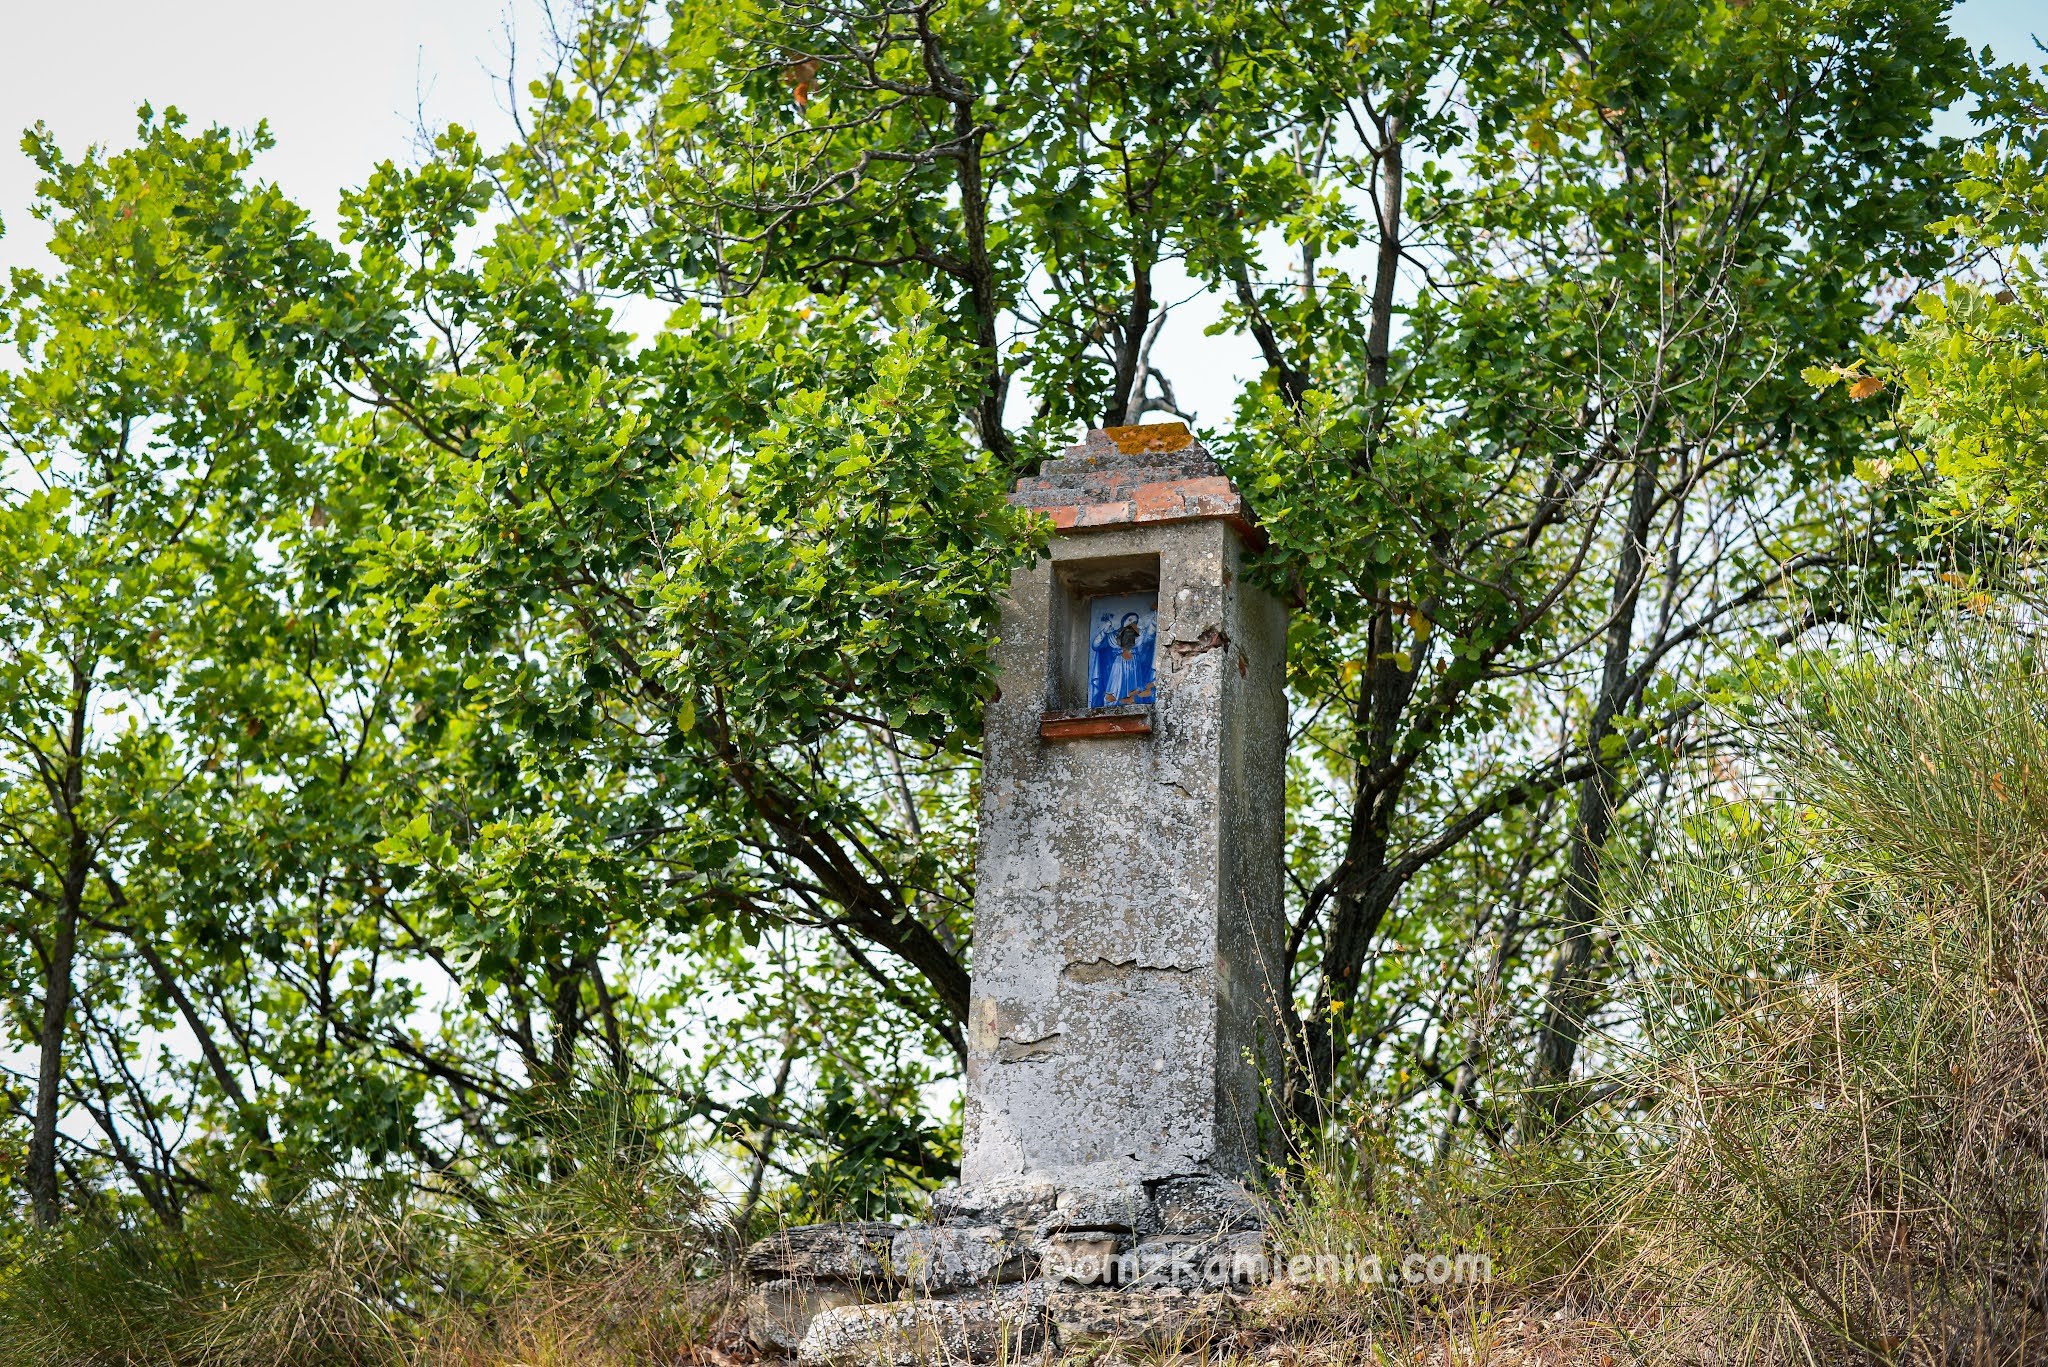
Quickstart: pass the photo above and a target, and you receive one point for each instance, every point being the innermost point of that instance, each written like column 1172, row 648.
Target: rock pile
column 1024, row 1268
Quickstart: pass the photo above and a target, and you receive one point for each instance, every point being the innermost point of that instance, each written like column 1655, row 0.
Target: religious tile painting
column 1123, row 630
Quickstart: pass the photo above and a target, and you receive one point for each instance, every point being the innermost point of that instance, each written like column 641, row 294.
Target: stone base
column 935, row 1260
column 1195, row 1204
column 1168, row 1320
column 922, row 1333
column 1021, row 1268
column 1032, row 1319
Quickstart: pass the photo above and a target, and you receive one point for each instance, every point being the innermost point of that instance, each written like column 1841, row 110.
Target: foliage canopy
column 522, row 656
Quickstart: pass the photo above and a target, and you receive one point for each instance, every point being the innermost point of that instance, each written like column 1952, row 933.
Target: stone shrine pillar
column 1128, row 922
column 1127, row 938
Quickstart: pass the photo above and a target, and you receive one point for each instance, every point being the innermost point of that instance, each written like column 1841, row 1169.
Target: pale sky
column 345, row 86
column 342, row 85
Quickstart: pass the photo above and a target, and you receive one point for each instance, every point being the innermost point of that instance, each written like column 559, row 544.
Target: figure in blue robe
column 1128, row 676
column 1103, row 645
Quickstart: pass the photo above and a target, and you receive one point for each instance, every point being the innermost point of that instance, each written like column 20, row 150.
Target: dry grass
column 1841, row 1022
column 639, row 1316
column 614, row 1262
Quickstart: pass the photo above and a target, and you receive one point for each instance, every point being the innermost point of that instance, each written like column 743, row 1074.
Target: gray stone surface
column 953, row 1258
column 1103, row 1201
column 1084, row 1258
column 1127, row 913
column 855, row 1251
column 924, row 1333
column 1019, row 1203
column 1213, row 1261
column 779, row 1312
column 1168, row 1320
column 1169, row 1260
column 1205, row 1205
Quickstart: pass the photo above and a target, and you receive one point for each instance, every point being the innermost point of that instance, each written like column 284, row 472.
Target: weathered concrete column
column 1127, row 914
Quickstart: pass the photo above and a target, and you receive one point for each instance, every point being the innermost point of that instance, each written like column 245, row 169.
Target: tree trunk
column 1364, row 885
column 1573, row 984
column 1131, row 341
column 42, row 1144
column 969, row 138
column 1379, row 343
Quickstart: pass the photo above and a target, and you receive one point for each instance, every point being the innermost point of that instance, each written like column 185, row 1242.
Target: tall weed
column 1839, row 983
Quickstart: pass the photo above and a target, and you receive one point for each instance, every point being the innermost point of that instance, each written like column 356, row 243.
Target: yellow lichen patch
column 1148, row 437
